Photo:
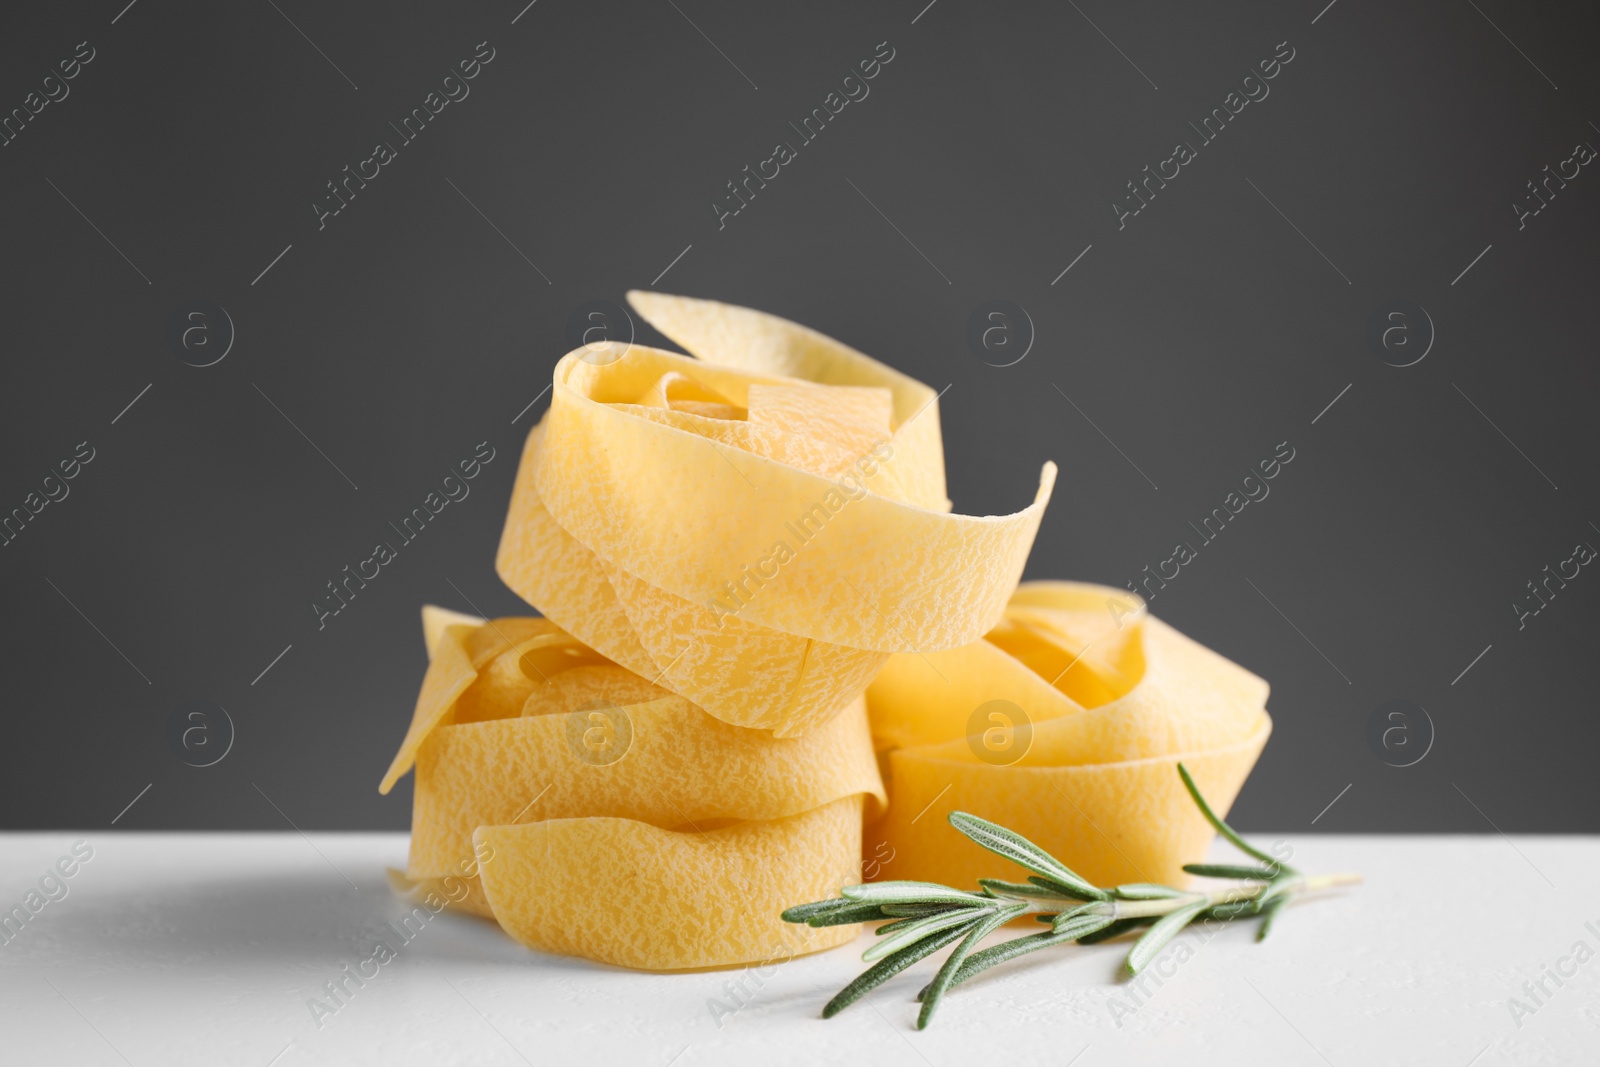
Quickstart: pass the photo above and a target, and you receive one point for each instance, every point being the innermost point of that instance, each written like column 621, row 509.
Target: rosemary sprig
column 925, row 917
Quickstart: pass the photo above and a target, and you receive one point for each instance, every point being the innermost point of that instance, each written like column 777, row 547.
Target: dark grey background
column 408, row 330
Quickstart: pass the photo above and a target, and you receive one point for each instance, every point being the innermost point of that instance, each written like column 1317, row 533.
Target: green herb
column 927, row 917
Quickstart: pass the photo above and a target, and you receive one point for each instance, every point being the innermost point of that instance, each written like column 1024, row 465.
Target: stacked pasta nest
column 756, row 608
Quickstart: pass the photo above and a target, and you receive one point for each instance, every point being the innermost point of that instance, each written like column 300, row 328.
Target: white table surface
column 205, row 948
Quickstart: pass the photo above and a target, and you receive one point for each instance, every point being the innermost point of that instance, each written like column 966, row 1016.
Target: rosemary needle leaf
column 1268, row 914
column 1006, row 950
column 1076, row 926
column 1277, row 889
column 1116, row 929
column 1165, row 929
column 941, row 982
column 1019, row 850
column 917, row 911
column 886, row 969
column 1229, row 870
column 1075, row 894
column 1094, row 907
column 921, row 928
column 1232, row 910
column 1147, row 891
column 911, row 893
column 1031, row 890
column 1221, row 827
column 850, row 912
column 898, row 924
column 803, row 912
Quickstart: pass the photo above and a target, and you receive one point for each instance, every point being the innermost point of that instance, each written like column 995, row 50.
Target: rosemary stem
column 1144, row 909
column 1330, row 881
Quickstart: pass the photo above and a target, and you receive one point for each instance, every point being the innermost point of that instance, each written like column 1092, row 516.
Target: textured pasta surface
column 756, row 529
column 1066, row 724
column 589, row 811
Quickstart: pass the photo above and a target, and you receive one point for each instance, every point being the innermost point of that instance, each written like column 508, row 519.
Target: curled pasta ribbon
column 1064, row 723
column 594, row 813
column 756, row 529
